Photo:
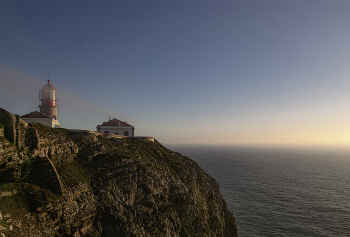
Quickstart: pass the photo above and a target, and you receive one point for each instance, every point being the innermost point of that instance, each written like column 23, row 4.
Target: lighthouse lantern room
column 48, row 98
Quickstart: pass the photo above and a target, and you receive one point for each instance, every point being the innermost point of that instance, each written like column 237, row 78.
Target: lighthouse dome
column 48, row 95
column 48, row 86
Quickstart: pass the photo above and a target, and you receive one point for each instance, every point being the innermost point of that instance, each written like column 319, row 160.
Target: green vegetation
column 110, row 147
column 26, row 197
column 3, row 139
column 68, row 134
column 46, row 131
column 42, row 129
column 38, row 197
column 73, row 173
column 15, row 204
column 9, row 186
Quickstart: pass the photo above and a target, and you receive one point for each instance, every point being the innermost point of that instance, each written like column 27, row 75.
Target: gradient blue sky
column 238, row 71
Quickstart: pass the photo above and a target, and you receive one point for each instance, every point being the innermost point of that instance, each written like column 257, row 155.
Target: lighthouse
column 48, row 100
column 48, row 108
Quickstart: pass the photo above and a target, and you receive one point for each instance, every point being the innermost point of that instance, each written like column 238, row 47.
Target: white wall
column 52, row 123
column 117, row 129
column 55, row 124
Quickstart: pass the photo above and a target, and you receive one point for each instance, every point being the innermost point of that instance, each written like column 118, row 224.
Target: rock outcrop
column 57, row 182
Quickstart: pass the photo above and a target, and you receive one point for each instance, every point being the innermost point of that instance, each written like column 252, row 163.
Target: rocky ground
column 56, row 182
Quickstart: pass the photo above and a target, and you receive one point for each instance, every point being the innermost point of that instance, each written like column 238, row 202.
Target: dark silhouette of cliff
column 56, row 182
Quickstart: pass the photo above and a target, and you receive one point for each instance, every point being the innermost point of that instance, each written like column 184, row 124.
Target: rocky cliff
column 56, row 182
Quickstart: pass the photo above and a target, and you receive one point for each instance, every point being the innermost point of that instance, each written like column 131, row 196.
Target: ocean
column 280, row 191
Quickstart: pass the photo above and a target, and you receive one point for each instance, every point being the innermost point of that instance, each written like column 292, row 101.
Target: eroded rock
column 78, row 184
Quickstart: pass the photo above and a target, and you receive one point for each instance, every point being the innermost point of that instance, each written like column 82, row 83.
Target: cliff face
column 56, row 182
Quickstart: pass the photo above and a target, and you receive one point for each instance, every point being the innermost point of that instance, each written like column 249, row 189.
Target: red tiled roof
column 115, row 122
column 35, row 114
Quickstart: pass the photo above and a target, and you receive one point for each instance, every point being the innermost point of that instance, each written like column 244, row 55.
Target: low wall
column 145, row 139
column 107, row 135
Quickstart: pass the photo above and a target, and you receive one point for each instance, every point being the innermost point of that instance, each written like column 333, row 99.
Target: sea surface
column 281, row 191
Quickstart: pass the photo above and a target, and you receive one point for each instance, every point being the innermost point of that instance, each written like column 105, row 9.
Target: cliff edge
column 57, row 182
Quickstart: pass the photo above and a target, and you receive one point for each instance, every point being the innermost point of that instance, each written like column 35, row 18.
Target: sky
column 194, row 72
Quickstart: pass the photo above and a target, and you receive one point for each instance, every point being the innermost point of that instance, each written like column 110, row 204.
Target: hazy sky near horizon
column 237, row 71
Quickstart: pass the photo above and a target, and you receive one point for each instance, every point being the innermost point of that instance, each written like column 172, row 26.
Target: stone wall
column 14, row 127
column 1, row 130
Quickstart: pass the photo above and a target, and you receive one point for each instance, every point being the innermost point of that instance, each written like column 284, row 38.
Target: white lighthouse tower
column 48, row 98
column 48, row 108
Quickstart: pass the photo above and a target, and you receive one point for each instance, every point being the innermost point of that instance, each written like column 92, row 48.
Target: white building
column 115, row 126
column 37, row 117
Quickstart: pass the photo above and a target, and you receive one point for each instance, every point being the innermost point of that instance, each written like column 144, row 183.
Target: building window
column 106, row 131
column 126, row 133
